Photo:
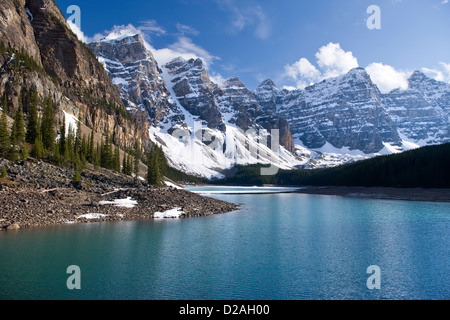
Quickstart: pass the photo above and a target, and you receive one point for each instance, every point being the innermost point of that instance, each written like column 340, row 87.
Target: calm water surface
column 279, row 246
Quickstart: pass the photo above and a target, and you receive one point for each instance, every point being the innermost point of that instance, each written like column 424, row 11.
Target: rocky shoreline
column 39, row 194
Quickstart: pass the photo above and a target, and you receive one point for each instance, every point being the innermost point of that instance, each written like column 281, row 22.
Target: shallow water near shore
column 285, row 246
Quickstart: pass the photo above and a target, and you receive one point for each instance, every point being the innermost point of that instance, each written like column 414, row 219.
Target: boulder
column 14, row 226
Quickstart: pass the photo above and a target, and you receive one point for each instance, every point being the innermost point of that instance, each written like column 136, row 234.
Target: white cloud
column 433, row 74
column 185, row 48
column 446, row 67
column 335, row 61
column 387, row 78
column 304, row 69
column 442, row 74
column 332, row 60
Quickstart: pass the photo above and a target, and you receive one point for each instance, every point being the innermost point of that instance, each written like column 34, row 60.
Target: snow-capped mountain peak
column 338, row 120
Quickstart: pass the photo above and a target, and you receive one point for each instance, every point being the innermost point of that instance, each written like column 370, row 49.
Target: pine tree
column 84, row 147
column 62, row 145
column 32, row 125
column 4, row 134
column 137, row 159
column 13, row 153
column 107, row 153
column 25, row 154
column 57, row 155
column 91, row 151
column 4, row 173
column 38, row 147
column 116, row 159
column 154, row 175
column 77, row 174
column 71, row 155
column 48, row 125
column 98, row 156
column 110, row 154
column 18, row 128
column 77, row 146
column 124, row 163
column 161, row 160
column 129, row 165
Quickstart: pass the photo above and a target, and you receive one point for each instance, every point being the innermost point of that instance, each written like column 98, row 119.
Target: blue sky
column 293, row 42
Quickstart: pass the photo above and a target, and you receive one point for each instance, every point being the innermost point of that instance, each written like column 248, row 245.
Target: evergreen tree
column 84, row 147
column 77, row 174
column 4, row 134
column 48, row 125
column 25, row 154
column 13, row 153
column 32, row 125
column 98, row 156
column 18, row 128
column 4, row 174
column 77, row 145
column 116, row 159
column 57, row 154
column 71, row 157
column 62, row 145
column 161, row 160
column 137, row 159
column 107, row 153
column 38, row 148
column 91, row 151
column 129, row 165
column 124, row 163
column 154, row 175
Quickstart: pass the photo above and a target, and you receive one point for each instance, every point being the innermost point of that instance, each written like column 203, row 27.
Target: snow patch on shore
column 123, row 203
column 174, row 213
column 91, row 216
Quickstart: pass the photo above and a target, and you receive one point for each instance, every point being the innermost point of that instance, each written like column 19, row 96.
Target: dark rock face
column 15, row 28
column 421, row 112
column 70, row 73
column 346, row 112
column 239, row 102
column 67, row 59
column 243, row 109
column 194, row 90
column 136, row 74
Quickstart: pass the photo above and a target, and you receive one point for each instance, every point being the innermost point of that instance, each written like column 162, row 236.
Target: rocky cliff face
column 15, row 27
column 60, row 66
column 136, row 74
column 346, row 112
column 195, row 91
column 422, row 112
column 67, row 59
column 240, row 107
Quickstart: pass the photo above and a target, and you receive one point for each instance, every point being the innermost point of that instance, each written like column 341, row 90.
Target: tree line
column 36, row 137
column 427, row 167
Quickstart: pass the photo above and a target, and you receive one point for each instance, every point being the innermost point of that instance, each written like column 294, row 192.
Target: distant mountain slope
column 426, row 167
column 422, row 112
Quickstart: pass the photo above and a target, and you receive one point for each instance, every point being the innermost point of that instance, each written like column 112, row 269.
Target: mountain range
column 336, row 121
column 205, row 128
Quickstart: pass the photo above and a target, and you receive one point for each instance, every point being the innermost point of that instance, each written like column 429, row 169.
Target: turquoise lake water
column 279, row 246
